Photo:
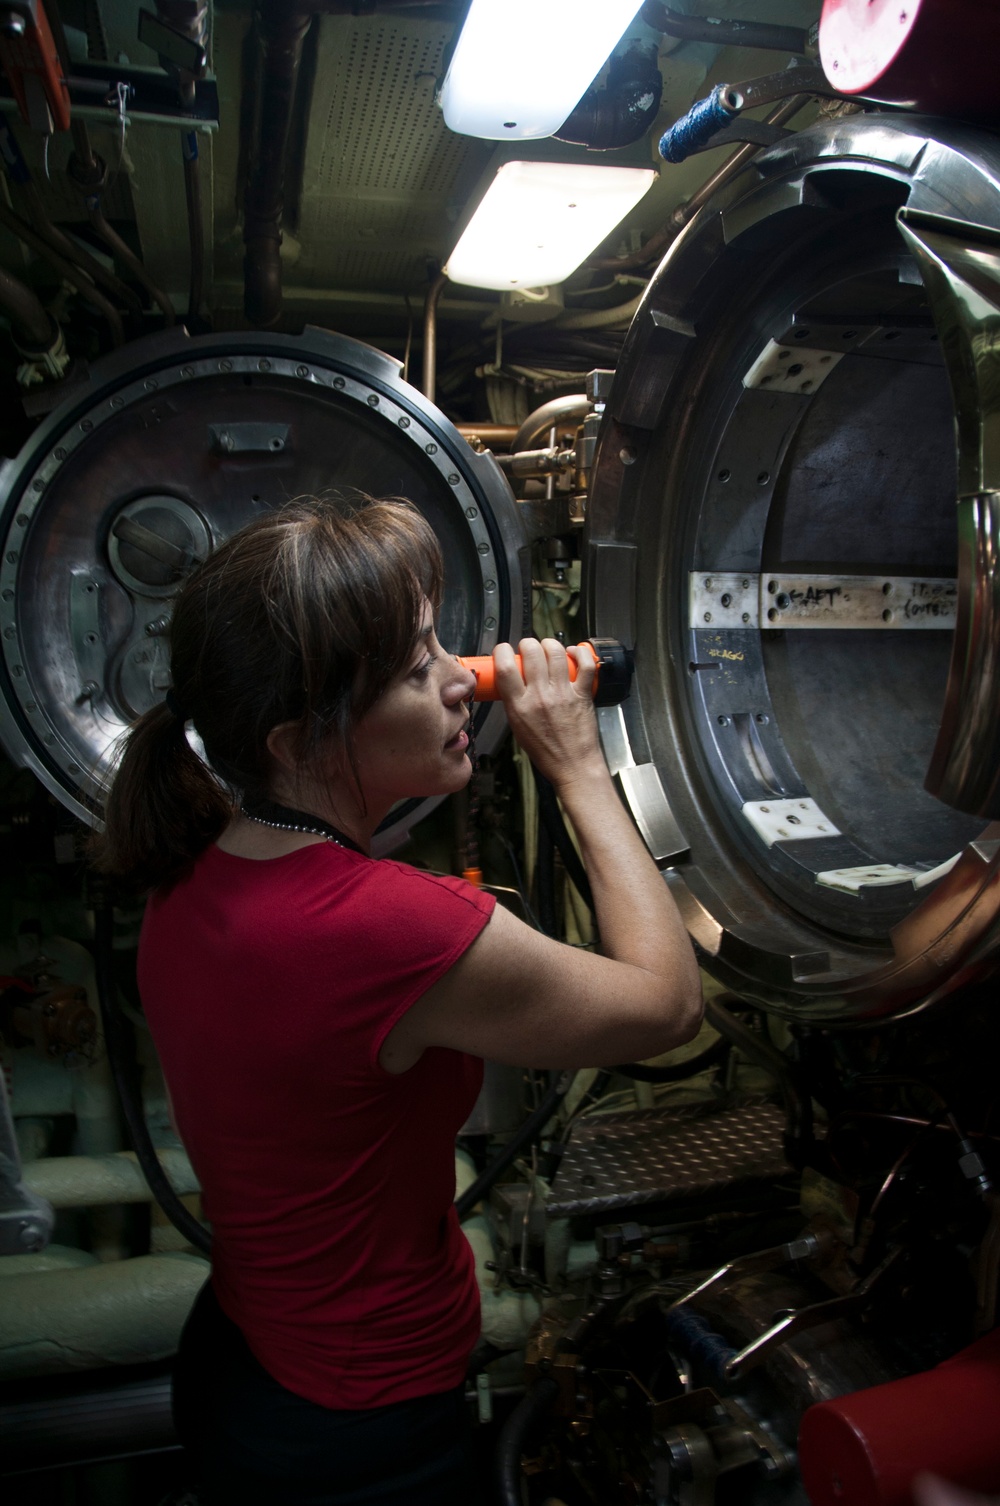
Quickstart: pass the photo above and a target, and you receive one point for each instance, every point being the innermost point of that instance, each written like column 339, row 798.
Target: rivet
column 489, row 585
column 708, row 616
column 18, row 669
column 225, row 365
column 12, row 556
column 22, row 520
column 263, row 364
column 483, row 548
column 38, row 485
column 453, row 480
column 763, row 477
column 60, row 453
column 48, row 739
column 723, row 721
column 431, row 449
column 302, row 371
column 725, row 474
column 470, row 512
column 373, row 400
column 339, row 383
column 151, row 384
column 117, row 402
column 746, row 616
column 404, row 422
column 762, row 718
column 8, row 595
column 627, row 456
column 187, row 371
column 490, row 624
column 86, row 424
column 726, row 599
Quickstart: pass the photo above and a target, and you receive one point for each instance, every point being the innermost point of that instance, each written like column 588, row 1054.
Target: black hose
column 677, row 1071
column 545, row 881
column 521, row 1423
column 67, row 269
column 798, row 1104
column 554, row 824
column 728, row 33
column 120, row 1039
column 522, row 1138
column 32, row 327
column 196, row 231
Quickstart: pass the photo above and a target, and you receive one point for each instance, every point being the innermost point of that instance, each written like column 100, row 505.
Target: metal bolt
column 431, row 449
column 727, row 600
column 302, row 371
column 782, row 600
column 373, row 399
column 708, row 616
column 746, row 616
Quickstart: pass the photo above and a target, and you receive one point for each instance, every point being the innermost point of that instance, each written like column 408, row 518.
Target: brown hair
column 304, row 616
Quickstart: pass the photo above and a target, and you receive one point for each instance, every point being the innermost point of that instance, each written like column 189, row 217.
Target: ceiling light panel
column 521, row 66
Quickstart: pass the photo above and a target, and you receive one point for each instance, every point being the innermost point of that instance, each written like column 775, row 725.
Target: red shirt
column 269, row 988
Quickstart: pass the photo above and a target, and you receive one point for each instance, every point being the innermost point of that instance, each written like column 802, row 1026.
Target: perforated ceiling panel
column 383, row 179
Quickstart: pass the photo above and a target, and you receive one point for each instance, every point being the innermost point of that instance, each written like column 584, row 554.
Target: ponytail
column 164, row 808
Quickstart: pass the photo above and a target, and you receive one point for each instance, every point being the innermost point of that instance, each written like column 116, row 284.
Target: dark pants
column 253, row 1443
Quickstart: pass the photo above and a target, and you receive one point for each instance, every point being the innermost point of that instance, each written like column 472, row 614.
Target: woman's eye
column 423, row 669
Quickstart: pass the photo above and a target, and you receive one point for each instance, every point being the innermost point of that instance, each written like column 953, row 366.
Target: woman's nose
column 464, row 682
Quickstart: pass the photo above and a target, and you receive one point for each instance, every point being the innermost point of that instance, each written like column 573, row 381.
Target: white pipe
column 507, row 1315
column 126, row 1313
column 90, row 1181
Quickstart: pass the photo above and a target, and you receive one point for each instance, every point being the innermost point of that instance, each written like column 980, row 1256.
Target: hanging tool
column 612, row 682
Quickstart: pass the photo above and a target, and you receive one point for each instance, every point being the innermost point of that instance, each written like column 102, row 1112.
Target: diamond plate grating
column 618, row 1160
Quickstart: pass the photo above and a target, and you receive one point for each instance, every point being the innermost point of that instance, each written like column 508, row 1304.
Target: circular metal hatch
column 773, row 525
column 172, row 445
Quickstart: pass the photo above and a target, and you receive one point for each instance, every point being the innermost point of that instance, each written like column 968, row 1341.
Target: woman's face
column 413, row 741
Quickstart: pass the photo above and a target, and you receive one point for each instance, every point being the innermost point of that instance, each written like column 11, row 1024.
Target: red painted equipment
column 30, row 59
column 938, row 56
column 864, row 1449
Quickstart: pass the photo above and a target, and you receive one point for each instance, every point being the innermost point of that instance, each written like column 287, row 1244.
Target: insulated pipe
column 127, row 1312
column 569, row 410
column 93, row 1181
column 282, row 31
column 624, row 110
column 729, row 33
column 622, row 313
column 33, row 328
column 430, row 335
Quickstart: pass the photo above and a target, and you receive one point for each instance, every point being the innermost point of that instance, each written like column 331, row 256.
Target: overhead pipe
column 624, row 110
column 568, row 411
column 657, row 244
column 191, row 22
column 430, row 335
column 729, row 33
column 281, row 31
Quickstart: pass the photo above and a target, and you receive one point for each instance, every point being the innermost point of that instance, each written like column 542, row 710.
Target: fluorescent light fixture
column 539, row 220
column 522, row 66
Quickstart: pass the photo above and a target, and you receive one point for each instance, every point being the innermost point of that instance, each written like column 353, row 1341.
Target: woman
column 321, row 1016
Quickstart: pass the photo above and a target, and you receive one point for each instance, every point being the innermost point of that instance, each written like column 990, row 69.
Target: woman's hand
column 551, row 716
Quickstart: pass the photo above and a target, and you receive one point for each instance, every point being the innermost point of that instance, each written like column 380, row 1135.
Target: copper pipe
column 430, row 334
column 658, row 243
column 493, row 436
column 31, row 326
column 69, row 270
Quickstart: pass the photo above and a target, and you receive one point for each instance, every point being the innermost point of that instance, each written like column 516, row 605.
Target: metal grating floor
column 616, row 1161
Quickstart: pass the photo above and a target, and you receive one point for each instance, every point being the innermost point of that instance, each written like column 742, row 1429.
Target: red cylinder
column 938, row 56
column 864, row 1449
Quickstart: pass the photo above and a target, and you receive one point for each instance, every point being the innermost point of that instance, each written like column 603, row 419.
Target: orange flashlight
column 612, row 682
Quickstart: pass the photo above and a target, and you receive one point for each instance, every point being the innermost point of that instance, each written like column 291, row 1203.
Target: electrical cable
column 676, row 1072
column 521, row 1140
column 525, row 1417
column 120, row 1040
column 554, row 824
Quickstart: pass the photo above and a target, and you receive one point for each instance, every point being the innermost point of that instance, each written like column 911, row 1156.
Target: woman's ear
column 281, row 744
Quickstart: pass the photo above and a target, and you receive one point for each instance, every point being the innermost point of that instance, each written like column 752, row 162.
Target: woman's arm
column 516, row 996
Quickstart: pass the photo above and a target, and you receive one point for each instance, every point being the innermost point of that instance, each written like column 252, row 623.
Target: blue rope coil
column 699, row 125
column 695, row 1338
